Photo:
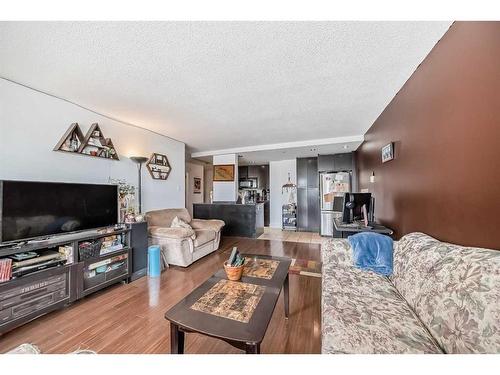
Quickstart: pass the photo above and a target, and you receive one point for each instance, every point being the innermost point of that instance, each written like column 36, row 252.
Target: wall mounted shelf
column 158, row 166
column 71, row 140
column 92, row 144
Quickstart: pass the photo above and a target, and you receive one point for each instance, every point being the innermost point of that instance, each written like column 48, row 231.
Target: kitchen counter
column 242, row 220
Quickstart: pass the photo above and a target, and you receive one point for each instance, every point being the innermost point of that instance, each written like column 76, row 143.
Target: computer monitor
column 353, row 207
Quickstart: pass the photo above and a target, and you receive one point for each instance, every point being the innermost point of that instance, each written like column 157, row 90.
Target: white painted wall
column 208, row 174
column 278, row 176
column 31, row 123
column 226, row 191
column 193, row 170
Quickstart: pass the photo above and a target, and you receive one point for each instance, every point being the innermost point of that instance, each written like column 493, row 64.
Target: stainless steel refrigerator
column 332, row 188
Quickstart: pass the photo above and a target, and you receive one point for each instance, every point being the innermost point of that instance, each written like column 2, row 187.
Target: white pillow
column 179, row 223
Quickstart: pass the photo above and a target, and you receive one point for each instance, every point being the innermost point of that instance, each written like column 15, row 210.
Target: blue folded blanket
column 372, row 251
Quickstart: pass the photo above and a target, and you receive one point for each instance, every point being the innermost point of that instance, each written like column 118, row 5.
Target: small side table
column 349, row 229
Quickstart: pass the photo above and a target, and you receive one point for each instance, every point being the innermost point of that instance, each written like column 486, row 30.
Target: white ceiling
column 263, row 157
column 220, row 85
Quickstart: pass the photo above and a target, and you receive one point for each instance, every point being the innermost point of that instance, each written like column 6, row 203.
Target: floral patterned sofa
column 441, row 298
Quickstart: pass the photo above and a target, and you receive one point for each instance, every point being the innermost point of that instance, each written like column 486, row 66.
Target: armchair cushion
column 212, row 224
column 179, row 223
column 163, row 218
column 174, row 233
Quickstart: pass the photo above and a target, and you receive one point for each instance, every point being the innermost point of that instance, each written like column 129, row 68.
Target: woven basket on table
column 233, row 273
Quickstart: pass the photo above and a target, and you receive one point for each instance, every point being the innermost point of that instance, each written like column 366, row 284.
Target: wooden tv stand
column 30, row 296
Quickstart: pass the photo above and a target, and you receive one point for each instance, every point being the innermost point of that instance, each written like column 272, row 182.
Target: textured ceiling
column 264, row 157
column 217, row 85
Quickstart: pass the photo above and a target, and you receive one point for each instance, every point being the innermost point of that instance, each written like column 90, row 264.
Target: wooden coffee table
column 237, row 312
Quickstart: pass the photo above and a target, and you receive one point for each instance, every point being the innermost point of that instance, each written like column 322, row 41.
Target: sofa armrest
column 174, row 233
column 212, row 224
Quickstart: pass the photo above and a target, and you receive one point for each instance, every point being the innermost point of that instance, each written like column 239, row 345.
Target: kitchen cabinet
column 242, row 172
column 313, row 210
column 267, row 213
column 342, row 162
column 264, row 177
column 335, row 162
column 312, row 173
column 308, row 215
column 260, row 172
column 326, row 163
column 302, row 217
column 301, row 172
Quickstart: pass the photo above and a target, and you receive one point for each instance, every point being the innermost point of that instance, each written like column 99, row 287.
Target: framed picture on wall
column 224, row 172
column 388, row 152
column 196, row 185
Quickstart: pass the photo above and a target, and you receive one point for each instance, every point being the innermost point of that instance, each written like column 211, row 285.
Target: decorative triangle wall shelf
column 71, row 140
column 93, row 144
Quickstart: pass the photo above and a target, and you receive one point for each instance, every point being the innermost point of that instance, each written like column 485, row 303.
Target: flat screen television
column 32, row 210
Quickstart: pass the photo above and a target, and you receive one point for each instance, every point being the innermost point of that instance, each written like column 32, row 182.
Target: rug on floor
column 305, row 267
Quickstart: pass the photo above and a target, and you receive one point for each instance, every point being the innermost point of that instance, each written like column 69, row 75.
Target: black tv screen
column 40, row 209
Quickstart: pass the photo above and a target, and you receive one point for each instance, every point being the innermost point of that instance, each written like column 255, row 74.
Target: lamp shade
column 139, row 159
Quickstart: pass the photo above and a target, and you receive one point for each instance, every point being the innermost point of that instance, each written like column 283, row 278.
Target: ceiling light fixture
column 289, row 185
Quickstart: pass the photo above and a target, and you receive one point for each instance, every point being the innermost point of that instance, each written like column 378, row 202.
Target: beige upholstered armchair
column 182, row 246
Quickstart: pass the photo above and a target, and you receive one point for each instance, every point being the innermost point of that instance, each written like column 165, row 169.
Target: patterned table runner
column 230, row 299
column 261, row 268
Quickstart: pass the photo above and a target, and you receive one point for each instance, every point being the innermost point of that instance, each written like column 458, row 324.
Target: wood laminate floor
column 290, row 236
column 128, row 318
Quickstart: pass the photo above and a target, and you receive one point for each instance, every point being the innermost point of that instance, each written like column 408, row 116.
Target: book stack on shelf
column 100, row 247
column 5, row 269
column 32, row 261
column 111, row 244
column 67, row 252
column 105, row 266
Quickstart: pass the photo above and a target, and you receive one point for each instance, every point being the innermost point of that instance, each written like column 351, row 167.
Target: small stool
column 154, row 266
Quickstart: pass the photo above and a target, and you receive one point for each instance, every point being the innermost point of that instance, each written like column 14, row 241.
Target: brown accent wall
column 445, row 123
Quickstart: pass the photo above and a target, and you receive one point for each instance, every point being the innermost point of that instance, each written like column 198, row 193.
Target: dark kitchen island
column 242, row 220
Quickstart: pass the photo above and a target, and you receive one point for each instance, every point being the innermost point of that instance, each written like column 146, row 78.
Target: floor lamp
column 139, row 160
